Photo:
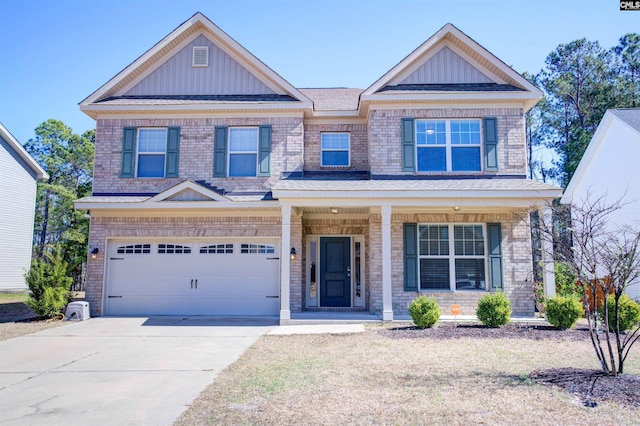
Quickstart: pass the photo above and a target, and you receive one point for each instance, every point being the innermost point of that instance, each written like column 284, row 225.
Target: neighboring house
column 19, row 174
column 610, row 168
column 221, row 189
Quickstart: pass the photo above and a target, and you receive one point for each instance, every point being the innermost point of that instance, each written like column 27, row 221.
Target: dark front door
column 335, row 272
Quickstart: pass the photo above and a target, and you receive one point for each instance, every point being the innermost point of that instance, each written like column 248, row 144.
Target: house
column 19, row 174
column 221, row 189
column 609, row 168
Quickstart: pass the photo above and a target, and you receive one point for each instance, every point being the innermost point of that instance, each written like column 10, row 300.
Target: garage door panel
column 193, row 278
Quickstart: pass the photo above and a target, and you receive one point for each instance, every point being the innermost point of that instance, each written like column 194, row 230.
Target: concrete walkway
column 118, row 371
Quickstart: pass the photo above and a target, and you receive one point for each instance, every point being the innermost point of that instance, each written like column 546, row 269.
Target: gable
column 188, row 191
column 163, row 78
column 445, row 67
column 450, row 66
column 223, row 75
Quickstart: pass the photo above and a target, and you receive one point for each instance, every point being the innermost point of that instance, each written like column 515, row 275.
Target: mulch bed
column 591, row 386
column 445, row 331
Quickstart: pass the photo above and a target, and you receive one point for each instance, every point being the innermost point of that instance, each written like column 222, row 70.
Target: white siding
column 446, row 67
column 223, row 76
column 613, row 172
column 17, row 208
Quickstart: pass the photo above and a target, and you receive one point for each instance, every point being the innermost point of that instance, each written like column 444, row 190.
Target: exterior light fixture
column 334, row 210
column 293, row 253
column 94, row 253
column 456, row 208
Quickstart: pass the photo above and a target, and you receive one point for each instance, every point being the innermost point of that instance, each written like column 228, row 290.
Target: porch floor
column 308, row 318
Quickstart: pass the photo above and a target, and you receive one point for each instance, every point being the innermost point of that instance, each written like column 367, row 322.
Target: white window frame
column 150, row 153
column 452, row 257
column 322, row 150
column 230, row 153
column 449, row 145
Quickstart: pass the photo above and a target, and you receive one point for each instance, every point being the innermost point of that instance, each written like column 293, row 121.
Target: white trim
column 285, row 265
column 322, row 150
column 448, row 146
column 164, row 153
column 387, row 282
column 216, row 114
column 229, row 153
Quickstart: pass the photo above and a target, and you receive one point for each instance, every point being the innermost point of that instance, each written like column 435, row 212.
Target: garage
column 213, row 277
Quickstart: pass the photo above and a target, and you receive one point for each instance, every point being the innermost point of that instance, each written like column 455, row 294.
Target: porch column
column 548, row 275
column 387, row 305
column 285, row 274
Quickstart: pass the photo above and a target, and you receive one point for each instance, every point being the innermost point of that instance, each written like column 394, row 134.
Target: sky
column 55, row 53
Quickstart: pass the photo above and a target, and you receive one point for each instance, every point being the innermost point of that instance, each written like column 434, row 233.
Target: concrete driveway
column 118, row 371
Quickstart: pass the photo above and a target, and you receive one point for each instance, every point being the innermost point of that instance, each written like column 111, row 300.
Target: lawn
column 379, row 377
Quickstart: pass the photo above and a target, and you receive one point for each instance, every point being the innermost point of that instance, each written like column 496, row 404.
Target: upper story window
column 448, row 145
column 242, row 151
column 150, row 152
column 152, row 146
column 334, row 149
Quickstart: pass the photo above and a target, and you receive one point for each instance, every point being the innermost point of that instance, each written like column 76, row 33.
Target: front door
column 335, row 272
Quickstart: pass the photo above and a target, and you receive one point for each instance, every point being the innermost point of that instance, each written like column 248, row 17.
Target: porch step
column 332, row 317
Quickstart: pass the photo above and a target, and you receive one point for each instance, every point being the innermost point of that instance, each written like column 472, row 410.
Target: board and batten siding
column 223, row 76
column 446, row 67
column 17, row 210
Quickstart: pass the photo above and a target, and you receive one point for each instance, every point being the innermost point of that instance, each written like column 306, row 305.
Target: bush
column 565, row 280
column 49, row 283
column 629, row 312
column 563, row 312
column 494, row 310
column 424, row 311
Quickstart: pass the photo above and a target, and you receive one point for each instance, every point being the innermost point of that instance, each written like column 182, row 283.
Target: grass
column 13, row 297
column 375, row 379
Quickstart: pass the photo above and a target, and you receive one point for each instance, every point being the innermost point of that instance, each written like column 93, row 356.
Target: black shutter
column 490, row 144
column 494, row 231
column 408, row 145
column 410, row 257
column 128, row 152
column 173, row 152
column 220, row 152
column 264, row 151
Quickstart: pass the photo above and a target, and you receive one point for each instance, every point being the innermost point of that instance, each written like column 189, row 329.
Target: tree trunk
column 45, row 221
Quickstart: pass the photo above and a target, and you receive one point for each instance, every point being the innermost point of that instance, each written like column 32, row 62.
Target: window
column 152, row 145
column 447, row 263
column 334, row 149
column 173, row 249
column 448, row 145
column 217, row 249
column 135, row 249
column 256, row 249
column 243, row 151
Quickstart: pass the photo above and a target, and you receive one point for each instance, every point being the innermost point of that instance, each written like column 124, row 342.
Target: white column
column 548, row 276
column 285, row 272
column 387, row 295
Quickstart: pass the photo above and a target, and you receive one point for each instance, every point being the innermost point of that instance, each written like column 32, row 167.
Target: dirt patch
column 592, row 386
column 16, row 319
column 475, row 331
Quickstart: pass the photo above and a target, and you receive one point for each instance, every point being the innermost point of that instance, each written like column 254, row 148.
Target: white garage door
column 193, row 278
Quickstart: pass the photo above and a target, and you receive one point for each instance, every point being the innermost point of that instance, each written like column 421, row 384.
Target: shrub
column 49, row 283
column 565, row 280
column 494, row 309
column 424, row 311
column 629, row 312
column 563, row 312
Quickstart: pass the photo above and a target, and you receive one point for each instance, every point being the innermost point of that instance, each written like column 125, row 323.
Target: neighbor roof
column 631, row 116
column 333, row 99
column 22, row 153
